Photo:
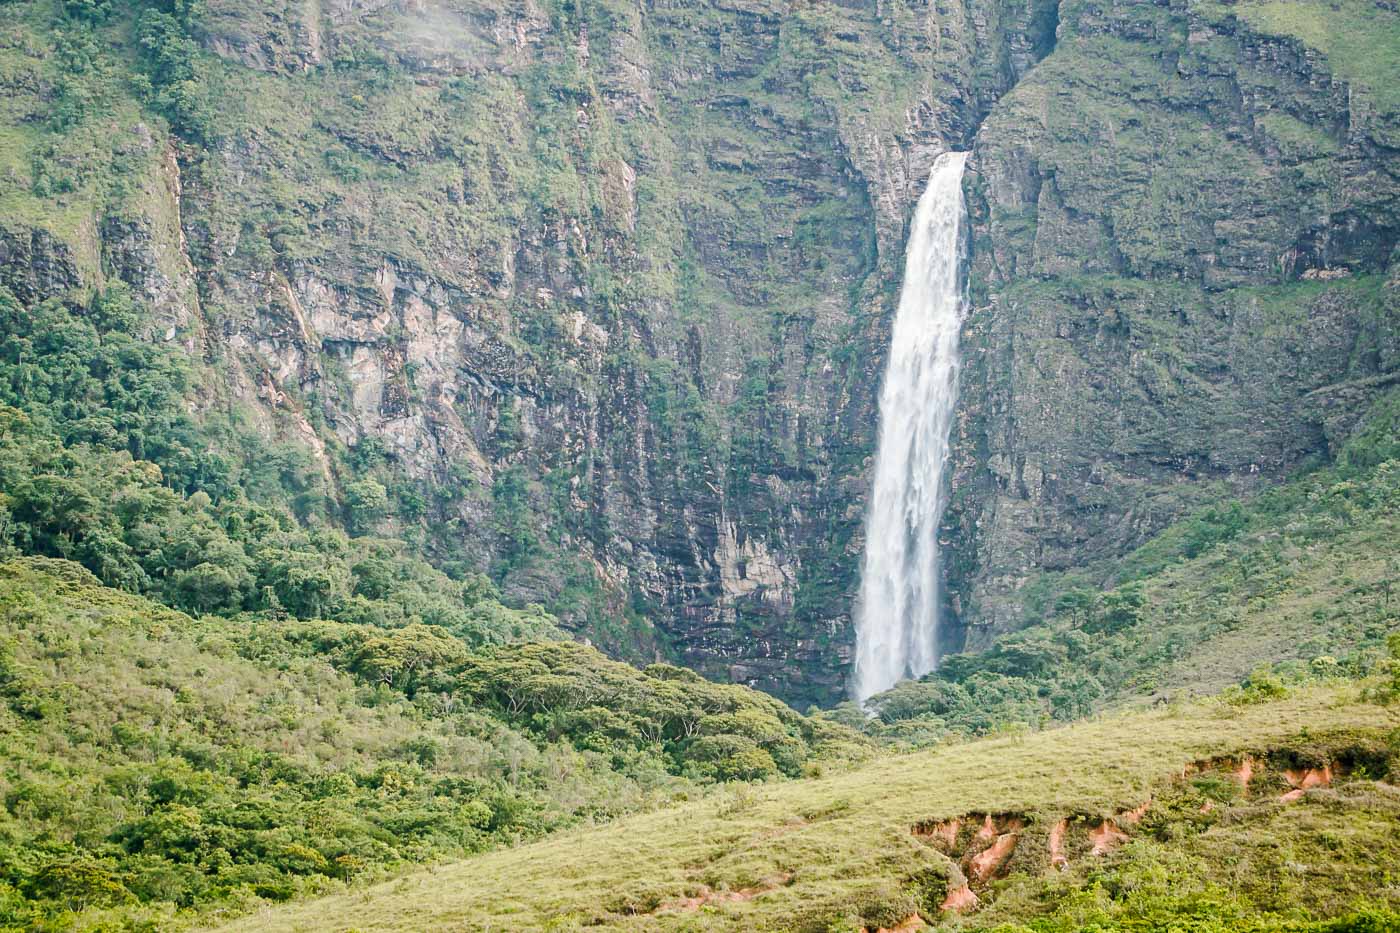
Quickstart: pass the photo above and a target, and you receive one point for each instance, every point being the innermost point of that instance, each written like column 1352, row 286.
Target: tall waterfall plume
column 899, row 605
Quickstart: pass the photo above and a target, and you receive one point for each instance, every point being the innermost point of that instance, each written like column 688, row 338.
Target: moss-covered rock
column 1183, row 277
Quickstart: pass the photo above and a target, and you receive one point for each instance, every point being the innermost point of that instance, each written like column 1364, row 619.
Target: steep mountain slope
column 1300, row 578
column 1186, row 275
column 1148, row 817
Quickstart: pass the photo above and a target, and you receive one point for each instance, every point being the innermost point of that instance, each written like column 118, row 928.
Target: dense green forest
column 105, row 464
column 156, row 762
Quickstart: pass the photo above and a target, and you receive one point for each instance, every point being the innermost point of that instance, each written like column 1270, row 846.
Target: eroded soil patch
column 983, row 847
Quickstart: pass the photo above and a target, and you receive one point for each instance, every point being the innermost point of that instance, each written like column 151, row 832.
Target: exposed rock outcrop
column 1155, row 206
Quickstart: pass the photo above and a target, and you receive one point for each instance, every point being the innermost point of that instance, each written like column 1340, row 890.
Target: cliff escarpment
column 1185, row 279
column 595, row 296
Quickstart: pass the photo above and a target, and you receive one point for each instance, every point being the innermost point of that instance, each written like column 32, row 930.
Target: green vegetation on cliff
column 337, row 339
column 1357, row 37
column 1184, row 282
column 102, row 463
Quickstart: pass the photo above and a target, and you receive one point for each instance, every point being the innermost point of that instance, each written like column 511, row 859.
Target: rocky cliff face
column 1185, row 279
column 604, row 288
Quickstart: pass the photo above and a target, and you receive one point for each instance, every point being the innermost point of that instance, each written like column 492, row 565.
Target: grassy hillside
column 153, row 765
column 1359, row 39
column 866, row 848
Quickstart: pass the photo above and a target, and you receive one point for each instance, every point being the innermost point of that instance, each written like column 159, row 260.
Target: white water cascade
column 897, row 612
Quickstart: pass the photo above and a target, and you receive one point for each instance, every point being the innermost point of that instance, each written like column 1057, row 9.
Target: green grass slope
column 154, row 767
column 864, row 848
column 1359, row 39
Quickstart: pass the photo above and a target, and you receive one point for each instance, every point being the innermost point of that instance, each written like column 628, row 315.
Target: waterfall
column 897, row 612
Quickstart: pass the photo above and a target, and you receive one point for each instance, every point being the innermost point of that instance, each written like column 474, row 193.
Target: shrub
column 1261, row 686
column 78, row 885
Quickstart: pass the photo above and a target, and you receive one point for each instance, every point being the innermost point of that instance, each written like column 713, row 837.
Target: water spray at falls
column 898, row 609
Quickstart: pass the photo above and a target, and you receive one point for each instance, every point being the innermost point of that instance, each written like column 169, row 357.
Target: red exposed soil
column 1109, row 834
column 1303, row 778
column 1057, row 845
column 960, row 898
column 982, row 857
column 1106, row 837
column 983, row 854
column 984, row 864
column 1242, row 769
column 944, row 834
column 1310, row 777
column 1134, row 816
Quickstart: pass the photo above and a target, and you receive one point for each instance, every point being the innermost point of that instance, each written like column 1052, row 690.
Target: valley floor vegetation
column 158, row 765
column 1270, row 812
column 220, row 687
